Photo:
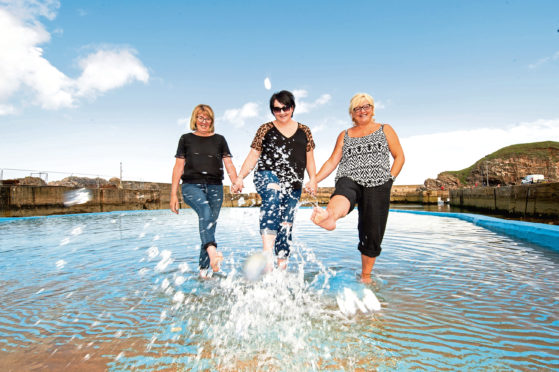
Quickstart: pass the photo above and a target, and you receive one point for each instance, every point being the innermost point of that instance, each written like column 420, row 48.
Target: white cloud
column 318, row 128
column 23, row 68
column 7, row 110
column 379, row 105
column 428, row 155
column 109, row 69
column 305, row 107
column 300, row 93
column 544, row 60
column 238, row 116
column 31, row 9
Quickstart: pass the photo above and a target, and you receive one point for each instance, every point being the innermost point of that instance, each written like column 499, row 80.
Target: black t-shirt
column 286, row 156
column 204, row 158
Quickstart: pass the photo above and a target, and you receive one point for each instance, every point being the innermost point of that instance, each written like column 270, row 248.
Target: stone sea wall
column 22, row 201
column 41, row 200
column 531, row 200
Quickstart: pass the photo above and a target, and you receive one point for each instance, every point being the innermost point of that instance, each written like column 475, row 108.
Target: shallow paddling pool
column 120, row 291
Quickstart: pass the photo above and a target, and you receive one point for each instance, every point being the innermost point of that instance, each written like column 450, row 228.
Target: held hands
column 311, row 187
column 237, row 186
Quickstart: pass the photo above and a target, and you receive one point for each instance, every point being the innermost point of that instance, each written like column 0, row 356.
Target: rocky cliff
column 506, row 166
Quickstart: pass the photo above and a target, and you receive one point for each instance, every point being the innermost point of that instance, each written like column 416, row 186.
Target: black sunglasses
column 277, row 110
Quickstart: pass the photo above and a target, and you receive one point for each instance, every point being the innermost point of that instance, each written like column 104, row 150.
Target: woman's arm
column 230, row 168
column 178, row 170
column 395, row 149
column 332, row 162
column 248, row 166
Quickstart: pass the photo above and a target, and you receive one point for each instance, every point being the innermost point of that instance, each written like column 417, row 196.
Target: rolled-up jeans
column 279, row 203
column 206, row 201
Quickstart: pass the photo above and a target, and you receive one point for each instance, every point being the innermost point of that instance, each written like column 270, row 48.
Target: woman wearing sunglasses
column 364, row 177
column 281, row 151
column 199, row 163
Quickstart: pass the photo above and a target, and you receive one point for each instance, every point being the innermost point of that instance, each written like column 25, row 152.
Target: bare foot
column 366, row 278
column 322, row 218
column 215, row 258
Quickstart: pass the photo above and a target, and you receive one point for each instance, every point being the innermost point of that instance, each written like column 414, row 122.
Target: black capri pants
column 372, row 204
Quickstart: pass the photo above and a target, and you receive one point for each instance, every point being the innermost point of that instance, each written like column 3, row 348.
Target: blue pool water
column 119, row 291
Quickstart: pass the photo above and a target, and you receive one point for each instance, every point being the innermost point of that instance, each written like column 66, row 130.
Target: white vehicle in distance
column 533, row 178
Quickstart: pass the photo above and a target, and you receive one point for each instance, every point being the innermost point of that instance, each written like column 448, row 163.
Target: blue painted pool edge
column 538, row 233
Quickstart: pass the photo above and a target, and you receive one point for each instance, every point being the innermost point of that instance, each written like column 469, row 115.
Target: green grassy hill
column 534, row 151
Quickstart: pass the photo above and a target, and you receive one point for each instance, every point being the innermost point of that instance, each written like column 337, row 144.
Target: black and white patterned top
column 366, row 160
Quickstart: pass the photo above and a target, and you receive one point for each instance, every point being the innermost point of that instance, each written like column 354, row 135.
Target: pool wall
column 538, row 233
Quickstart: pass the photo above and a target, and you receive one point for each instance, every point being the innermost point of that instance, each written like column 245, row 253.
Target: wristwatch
column 393, row 178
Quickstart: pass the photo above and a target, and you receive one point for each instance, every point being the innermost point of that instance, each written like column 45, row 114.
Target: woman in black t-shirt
column 199, row 163
column 282, row 149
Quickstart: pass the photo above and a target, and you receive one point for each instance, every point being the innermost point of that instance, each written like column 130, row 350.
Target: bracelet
column 393, row 178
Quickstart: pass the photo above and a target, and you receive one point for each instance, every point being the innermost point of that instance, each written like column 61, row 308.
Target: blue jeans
column 278, row 209
column 206, row 201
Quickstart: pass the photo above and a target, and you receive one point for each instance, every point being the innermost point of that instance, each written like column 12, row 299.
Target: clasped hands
column 237, row 186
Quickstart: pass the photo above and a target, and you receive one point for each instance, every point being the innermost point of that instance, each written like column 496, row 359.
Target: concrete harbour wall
column 23, row 201
column 534, row 200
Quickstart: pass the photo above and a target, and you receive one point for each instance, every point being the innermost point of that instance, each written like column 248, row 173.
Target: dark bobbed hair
column 285, row 97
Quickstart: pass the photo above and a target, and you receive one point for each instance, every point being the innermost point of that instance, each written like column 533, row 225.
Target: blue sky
column 85, row 85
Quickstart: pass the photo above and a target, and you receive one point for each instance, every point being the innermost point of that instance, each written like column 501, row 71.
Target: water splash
column 74, row 197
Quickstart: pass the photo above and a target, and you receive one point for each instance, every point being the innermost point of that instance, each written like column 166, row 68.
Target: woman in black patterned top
column 364, row 177
column 281, row 150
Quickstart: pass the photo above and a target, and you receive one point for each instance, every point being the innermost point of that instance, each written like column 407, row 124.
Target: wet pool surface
column 120, row 291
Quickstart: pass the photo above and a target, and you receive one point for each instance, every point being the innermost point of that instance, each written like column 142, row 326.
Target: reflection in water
column 84, row 293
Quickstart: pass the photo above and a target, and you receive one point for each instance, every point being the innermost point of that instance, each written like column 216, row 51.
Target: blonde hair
column 357, row 100
column 206, row 109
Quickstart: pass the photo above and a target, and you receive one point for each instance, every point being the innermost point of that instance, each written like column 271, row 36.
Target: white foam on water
column 77, row 230
column 166, row 260
column 370, row 300
column 183, row 267
column 178, row 297
column 349, row 302
column 165, row 284
column 153, row 252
